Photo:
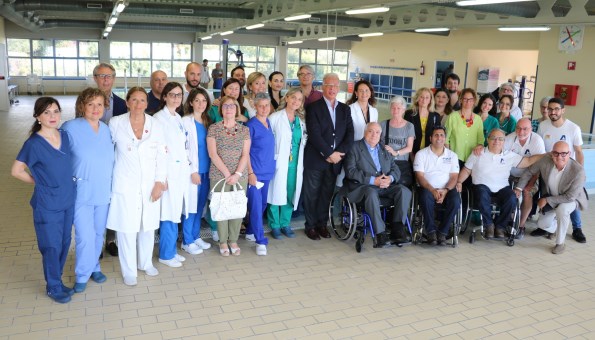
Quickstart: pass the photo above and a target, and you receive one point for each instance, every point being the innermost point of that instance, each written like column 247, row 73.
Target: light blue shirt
column 108, row 112
column 374, row 153
column 332, row 109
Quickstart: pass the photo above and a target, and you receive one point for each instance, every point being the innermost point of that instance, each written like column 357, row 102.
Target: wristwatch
column 238, row 173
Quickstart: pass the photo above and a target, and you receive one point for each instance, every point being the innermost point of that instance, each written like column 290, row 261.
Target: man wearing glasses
column 562, row 193
column 306, row 77
column 558, row 128
column 330, row 137
column 490, row 171
column 104, row 75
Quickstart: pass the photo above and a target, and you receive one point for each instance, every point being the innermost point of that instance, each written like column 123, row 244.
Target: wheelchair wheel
column 510, row 242
column 343, row 217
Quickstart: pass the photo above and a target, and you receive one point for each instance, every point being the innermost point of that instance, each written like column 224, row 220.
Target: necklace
column 468, row 122
column 229, row 133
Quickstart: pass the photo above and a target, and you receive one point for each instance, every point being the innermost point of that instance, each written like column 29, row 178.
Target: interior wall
column 511, row 64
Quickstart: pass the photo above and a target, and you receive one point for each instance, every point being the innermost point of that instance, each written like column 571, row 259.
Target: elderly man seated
column 526, row 143
column 562, row 193
column 371, row 174
column 436, row 170
column 490, row 171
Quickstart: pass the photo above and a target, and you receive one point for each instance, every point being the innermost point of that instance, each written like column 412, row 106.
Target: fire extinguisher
column 422, row 69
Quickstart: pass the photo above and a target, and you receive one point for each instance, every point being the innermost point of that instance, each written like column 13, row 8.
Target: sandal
column 235, row 251
column 223, row 251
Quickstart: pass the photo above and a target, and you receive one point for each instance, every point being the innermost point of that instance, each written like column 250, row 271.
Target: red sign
column 571, row 65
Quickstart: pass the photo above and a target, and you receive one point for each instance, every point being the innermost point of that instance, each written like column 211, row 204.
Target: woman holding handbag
column 228, row 143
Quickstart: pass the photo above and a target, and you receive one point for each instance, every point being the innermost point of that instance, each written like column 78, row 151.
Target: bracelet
column 238, row 173
column 251, row 174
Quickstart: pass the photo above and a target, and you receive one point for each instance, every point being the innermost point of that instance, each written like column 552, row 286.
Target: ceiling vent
column 186, row 11
column 94, row 6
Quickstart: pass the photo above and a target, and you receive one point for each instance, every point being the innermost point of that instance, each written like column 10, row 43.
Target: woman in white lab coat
column 174, row 202
column 289, row 128
column 138, row 182
column 362, row 103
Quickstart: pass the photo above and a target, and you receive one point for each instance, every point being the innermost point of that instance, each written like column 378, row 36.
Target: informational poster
column 487, row 79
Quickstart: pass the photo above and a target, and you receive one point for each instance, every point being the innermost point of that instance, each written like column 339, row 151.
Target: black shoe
column 112, row 248
column 58, row 295
column 441, row 240
column 382, row 240
column 431, row 238
column 312, row 234
column 397, row 233
column 539, row 232
column 578, row 236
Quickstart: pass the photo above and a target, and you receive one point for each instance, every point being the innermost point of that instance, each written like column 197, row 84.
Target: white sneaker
column 202, row 244
column 261, row 249
column 152, row 271
column 171, row 263
column 192, row 249
column 250, row 237
column 215, row 235
column 180, row 258
column 130, row 281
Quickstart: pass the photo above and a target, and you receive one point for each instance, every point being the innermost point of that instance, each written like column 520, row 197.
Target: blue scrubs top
column 204, row 162
column 51, row 168
column 262, row 149
column 93, row 161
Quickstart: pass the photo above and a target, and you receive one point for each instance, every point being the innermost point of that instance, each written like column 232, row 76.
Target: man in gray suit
column 562, row 191
column 371, row 174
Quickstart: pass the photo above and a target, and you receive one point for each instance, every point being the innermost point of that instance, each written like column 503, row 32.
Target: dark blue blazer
column 153, row 103
column 119, row 106
column 322, row 136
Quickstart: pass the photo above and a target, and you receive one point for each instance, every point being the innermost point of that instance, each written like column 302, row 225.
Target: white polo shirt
column 436, row 169
column 568, row 132
column 492, row 170
column 533, row 146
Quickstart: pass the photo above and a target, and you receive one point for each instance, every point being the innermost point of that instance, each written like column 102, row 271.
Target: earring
column 39, row 122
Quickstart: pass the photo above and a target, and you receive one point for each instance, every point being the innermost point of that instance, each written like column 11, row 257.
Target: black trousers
column 317, row 190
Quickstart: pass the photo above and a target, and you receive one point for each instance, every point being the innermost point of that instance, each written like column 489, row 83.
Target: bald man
column 193, row 75
column 158, row 82
column 563, row 192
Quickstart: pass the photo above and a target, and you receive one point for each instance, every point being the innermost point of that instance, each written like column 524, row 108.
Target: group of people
column 149, row 161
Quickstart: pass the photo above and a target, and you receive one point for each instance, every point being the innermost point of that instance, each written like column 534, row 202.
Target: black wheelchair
column 419, row 225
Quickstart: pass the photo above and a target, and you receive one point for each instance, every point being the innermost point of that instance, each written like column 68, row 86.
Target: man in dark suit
column 371, row 174
column 330, row 136
column 104, row 75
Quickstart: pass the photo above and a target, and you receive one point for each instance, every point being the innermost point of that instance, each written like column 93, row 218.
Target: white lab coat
column 139, row 164
column 278, row 185
column 174, row 202
column 359, row 124
column 188, row 122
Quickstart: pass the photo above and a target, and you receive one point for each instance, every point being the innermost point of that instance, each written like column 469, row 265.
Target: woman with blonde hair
column 422, row 116
column 256, row 83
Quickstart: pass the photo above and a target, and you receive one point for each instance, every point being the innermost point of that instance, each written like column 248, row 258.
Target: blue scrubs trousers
column 54, row 231
column 168, row 236
column 257, row 204
column 89, row 228
column 191, row 225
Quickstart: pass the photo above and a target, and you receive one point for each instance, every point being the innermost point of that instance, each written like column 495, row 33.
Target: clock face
column 571, row 37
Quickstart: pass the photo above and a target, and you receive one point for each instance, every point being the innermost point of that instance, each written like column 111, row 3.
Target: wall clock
column 571, row 38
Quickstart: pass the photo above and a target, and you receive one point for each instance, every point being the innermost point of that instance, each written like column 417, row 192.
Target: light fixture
column 433, row 29
column 108, row 29
column 327, row 39
column 367, row 10
column 295, row 42
column 105, row 34
column 525, row 29
column 251, row 27
column 298, row 17
column 112, row 20
column 226, row 33
column 207, row 37
column 120, row 6
column 486, row 2
column 375, row 34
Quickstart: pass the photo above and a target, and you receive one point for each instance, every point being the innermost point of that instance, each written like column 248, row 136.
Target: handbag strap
column 235, row 186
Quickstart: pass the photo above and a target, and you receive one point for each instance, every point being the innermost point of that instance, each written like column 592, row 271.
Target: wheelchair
column 419, row 225
column 350, row 220
column 512, row 228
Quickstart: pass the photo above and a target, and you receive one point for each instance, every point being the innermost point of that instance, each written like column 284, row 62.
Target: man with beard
column 239, row 74
column 452, row 87
column 192, row 74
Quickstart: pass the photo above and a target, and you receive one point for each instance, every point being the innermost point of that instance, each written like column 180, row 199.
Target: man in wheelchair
column 436, row 170
column 371, row 174
column 490, row 171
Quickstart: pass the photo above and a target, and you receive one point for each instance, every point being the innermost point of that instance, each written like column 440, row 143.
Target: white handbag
column 228, row 205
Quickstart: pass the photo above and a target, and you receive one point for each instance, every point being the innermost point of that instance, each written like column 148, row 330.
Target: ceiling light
column 295, row 42
column 434, row 29
column 120, row 7
column 254, row 26
column 207, row 37
column 367, row 10
column 226, row 33
column 112, row 20
column 108, row 29
column 327, row 39
column 486, row 2
column 524, row 29
column 298, row 17
column 375, row 34
column 105, row 34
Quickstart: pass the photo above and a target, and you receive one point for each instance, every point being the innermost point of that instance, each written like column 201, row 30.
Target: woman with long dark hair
column 276, row 84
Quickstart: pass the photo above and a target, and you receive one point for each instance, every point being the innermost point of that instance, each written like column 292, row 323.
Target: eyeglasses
column 556, row 109
column 560, row 154
column 305, row 75
column 228, row 106
column 175, row 95
column 331, row 85
column 468, row 99
column 104, row 76
column 499, row 139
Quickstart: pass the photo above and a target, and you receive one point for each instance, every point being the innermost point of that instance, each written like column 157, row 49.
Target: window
column 142, row 58
column 52, row 58
column 322, row 60
column 256, row 58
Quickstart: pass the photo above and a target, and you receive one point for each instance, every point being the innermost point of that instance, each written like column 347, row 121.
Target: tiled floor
column 302, row 289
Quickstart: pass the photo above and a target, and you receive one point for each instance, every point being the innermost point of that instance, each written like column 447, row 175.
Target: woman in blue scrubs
column 47, row 156
column 261, row 169
column 93, row 163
